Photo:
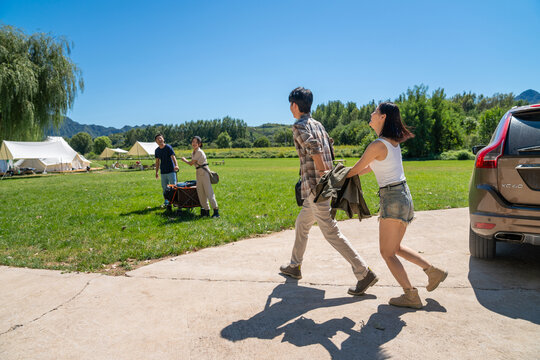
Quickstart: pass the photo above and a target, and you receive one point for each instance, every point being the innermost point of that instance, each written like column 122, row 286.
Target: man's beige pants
column 204, row 190
column 320, row 212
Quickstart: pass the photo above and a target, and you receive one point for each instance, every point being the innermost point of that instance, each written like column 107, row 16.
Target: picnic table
column 221, row 162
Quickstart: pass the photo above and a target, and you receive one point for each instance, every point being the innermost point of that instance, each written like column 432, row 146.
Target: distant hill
column 532, row 96
column 70, row 128
column 267, row 130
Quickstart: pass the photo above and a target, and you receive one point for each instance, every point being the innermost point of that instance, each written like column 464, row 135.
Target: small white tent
column 53, row 154
column 143, row 149
column 109, row 153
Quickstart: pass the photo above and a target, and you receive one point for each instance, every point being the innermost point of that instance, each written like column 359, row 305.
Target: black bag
column 169, row 193
column 298, row 193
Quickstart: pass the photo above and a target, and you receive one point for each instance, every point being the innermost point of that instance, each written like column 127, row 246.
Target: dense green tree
column 224, row 140
column 416, row 113
column 261, row 142
column 38, row 83
column 117, row 139
column 241, row 143
column 488, row 122
column 284, row 137
column 81, row 142
column 100, row 143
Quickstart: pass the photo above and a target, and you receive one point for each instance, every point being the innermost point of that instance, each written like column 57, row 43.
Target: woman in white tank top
column 383, row 157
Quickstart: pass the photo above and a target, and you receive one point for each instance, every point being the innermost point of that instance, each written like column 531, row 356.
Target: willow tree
column 38, row 83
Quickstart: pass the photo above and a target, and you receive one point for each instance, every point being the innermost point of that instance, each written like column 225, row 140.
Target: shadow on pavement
column 509, row 284
column 296, row 301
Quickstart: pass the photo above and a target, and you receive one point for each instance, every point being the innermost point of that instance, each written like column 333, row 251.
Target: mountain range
column 70, row 127
column 531, row 96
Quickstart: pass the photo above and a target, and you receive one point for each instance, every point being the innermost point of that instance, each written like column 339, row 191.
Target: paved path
column 230, row 303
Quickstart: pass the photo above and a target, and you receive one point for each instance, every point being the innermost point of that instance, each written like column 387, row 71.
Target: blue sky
column 174, row 61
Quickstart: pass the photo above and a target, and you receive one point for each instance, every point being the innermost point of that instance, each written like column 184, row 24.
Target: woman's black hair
column 393, row 128
column 199, row 140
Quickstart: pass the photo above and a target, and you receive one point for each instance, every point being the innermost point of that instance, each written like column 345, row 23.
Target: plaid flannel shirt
column 311, row 138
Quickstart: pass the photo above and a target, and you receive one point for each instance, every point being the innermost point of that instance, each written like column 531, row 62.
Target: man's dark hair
column 393, row 128
column 158, row 134
column 303, row 98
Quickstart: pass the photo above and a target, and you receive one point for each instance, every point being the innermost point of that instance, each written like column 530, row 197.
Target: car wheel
column 481, row 247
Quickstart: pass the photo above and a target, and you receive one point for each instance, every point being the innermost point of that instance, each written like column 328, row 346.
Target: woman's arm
column 364, row 171
column 375, row 151
column 192, row 162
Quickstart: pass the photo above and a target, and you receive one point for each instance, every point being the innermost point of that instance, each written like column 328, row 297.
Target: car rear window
column 524, row 135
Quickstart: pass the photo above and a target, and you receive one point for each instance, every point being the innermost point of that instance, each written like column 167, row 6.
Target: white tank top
column 389, row 170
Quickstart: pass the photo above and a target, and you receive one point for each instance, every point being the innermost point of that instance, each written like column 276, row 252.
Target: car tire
column 481, row 247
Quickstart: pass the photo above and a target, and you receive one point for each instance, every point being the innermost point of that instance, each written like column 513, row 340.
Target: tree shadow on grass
column 509, row 284
column 275, row 320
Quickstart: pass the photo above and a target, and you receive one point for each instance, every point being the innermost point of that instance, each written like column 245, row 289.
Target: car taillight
column 488, row 156
column 481, row 225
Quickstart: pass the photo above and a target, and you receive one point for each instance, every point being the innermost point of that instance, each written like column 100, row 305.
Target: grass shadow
column 175, row 215
column 170, row 215
column 144, row 211
column 509, row 284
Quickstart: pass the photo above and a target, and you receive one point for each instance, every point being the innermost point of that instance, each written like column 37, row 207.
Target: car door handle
column 528, row 167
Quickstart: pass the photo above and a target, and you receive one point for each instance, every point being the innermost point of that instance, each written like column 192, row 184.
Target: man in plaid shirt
column 314, row 150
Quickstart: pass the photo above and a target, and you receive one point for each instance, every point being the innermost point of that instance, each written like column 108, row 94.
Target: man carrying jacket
column 313, row 146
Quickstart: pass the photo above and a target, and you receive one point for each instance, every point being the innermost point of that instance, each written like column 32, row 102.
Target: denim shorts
column 396, row 203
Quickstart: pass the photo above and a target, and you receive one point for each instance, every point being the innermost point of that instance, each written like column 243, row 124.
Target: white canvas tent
column 53, row 154
column 109, row 153
column 143, row 149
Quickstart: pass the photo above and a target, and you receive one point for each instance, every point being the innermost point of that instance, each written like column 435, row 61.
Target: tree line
column 440, row 123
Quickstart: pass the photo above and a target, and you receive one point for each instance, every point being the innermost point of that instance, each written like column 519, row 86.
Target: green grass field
column 112, row 221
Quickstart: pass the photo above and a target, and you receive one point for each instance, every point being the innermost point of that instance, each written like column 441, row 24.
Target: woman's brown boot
column 409, row 299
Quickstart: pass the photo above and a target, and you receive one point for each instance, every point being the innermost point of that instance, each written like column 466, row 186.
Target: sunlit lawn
column 89, row 221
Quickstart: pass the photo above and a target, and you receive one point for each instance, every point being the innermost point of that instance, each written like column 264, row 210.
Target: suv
column 504, row 192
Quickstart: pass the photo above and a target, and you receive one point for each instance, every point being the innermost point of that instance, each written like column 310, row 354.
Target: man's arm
column 306, row 140
column 319, row 163
column 174, row 162
column 157, row 168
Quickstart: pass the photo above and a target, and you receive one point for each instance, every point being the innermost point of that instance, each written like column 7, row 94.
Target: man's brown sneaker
column 435, row 277
column 292, row 271
column 409, row 299
column 362, row 285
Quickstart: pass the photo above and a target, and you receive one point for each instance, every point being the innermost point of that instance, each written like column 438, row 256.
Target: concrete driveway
column 230, row 302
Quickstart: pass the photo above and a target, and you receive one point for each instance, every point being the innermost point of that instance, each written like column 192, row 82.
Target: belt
column 393, row 185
